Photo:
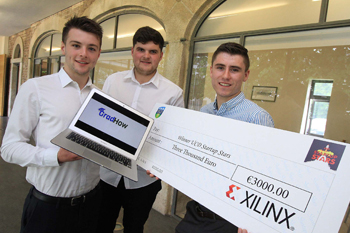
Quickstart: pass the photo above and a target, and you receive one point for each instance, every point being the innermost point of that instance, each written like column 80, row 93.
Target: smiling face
column 146, row 58
column 227, row 75
column 82, row 50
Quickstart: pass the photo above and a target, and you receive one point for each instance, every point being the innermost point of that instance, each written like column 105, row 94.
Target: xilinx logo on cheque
column 259, row 205
column 229, row 193
column 327, row 152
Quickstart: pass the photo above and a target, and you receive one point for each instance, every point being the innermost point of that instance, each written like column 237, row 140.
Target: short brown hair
column 233, row 48
column 85, row 24
column 147, row 34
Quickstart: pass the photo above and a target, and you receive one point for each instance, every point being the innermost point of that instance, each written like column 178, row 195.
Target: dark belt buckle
column 77, row 200
column 199, row 211
column 206, row 214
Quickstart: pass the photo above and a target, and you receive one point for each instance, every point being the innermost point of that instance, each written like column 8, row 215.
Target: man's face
column 146, row 58
column 82, row 49
column 227, row 75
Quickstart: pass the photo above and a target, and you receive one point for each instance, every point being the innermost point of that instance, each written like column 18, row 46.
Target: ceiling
column 17, row 15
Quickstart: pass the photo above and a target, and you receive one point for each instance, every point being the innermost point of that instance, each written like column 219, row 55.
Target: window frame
column 312, row 100
column 48, row 58
column 108, row 15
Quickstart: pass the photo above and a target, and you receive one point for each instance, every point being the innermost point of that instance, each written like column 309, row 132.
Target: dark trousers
column 43, row 217
column 137, row 204
column 193, row 223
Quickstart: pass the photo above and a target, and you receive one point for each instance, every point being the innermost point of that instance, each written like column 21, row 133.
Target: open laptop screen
column 112, row 123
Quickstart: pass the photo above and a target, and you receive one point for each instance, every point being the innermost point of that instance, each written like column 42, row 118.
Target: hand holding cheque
column 151, row 175
column 262, row 179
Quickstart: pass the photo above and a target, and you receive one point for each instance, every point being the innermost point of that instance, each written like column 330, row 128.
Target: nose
column 147, row 54
column 226, row 73
column 83, row 52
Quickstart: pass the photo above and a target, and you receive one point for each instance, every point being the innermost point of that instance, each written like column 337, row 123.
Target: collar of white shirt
column 65, row 79
column 154, row 80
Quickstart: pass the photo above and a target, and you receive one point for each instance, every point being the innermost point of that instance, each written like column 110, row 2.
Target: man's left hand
column 151, row 175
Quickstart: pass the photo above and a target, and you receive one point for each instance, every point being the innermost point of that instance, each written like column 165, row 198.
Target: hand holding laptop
column 106, row 132
column 67, row 156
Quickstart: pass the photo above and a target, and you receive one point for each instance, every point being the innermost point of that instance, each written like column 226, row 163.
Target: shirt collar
column 65, row 79
column 154, row 80
column 231, row 103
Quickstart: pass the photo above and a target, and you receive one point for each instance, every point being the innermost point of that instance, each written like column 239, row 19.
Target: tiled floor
column 156, row 223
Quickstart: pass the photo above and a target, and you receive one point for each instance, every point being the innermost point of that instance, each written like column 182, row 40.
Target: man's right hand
column 67, row 156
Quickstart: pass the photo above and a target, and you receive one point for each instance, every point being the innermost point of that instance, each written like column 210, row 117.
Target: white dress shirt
column 124, row 87
column 43, row 108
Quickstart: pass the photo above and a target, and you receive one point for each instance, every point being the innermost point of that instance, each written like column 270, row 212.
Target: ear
column 63, row 48
column 246, row 75
column 161, row 56
column 211, row 71
column 132, row 51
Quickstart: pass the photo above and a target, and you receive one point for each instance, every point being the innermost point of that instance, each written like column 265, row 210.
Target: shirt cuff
column 50, row 157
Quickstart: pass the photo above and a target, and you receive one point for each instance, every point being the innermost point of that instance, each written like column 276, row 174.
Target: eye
column 76, row 45
column 153, row 51
column 92, row 49
column 140, row 49
column 235, row 69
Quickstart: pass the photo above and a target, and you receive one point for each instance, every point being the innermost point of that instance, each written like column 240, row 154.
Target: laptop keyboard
column 99, row 149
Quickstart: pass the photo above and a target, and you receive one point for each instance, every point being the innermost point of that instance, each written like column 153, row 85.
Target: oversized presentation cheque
column 259, row 178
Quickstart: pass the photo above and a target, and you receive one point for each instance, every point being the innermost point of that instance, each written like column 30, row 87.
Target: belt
column 72, row 201
column 206, row 214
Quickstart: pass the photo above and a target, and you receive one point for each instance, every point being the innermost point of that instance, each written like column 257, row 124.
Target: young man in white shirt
column 65, row 194
column 140, row 88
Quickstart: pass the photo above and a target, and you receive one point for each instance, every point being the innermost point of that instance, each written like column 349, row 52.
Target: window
column 289, row 61
column 15, row 72
column 320, row 96
column 254, row 15
column 338, row 10
column 286, row 58
column 17, row 52
column 47, row 55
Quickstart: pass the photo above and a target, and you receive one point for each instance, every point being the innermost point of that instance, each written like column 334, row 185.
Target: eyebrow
column 236, row 67
column 139, row 47
column 77, row 42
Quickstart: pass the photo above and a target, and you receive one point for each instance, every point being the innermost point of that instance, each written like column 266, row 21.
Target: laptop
column 107, row 132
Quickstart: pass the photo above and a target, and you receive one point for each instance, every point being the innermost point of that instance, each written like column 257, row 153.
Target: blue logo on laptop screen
column 111, row 119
